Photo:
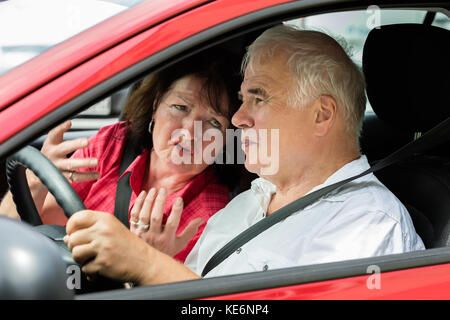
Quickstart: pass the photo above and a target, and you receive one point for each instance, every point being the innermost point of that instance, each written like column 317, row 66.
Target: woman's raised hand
column 57, row 150
column 146, row 222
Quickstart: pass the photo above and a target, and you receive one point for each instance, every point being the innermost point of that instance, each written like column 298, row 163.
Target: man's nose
column 242, row 118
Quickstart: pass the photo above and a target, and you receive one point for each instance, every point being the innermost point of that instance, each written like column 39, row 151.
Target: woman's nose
column 188, row 125
column 193, row 126
column 242, row 118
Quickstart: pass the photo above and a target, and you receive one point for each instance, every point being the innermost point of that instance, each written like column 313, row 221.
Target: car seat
column 407, row 70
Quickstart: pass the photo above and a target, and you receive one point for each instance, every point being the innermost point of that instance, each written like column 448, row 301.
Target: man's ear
column 326, row 109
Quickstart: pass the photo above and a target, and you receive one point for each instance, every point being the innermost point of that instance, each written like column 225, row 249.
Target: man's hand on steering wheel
column 104, row 246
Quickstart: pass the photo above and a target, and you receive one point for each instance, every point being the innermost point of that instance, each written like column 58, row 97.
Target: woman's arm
column 38, row 193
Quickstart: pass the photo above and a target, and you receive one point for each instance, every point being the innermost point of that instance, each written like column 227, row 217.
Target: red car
column 101, row 63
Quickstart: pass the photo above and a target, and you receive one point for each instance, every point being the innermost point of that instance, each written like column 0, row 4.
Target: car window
column 30, row 27
column 442, row 21
column 103, row 113
column 351, row 26
column 354, row 26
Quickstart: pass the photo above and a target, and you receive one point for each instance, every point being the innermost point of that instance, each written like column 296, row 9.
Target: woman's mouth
column 183, row 150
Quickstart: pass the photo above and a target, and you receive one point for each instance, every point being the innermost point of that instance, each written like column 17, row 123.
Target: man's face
column 264, row 111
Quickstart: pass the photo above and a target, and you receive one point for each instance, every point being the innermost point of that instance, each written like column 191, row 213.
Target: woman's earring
column 150, row 129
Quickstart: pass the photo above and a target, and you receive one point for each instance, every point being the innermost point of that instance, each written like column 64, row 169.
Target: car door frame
column 403, row 265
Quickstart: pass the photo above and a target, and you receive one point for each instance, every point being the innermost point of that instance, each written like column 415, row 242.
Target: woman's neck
column 160, row 175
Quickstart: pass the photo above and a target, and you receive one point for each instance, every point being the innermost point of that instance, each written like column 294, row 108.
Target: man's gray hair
column 320, row 66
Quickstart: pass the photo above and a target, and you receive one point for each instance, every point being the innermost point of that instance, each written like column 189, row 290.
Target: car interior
column 406, row 69
column 399, row 83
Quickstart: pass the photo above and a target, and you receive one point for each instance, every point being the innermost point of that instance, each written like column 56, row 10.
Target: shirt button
column 266, row 267
column 238, row 250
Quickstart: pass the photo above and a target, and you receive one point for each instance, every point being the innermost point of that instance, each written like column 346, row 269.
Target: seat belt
column 433, row 137
column 123, row 191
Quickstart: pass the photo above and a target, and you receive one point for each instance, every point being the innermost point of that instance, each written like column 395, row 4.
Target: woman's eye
column 216, row 123
column 179, row 107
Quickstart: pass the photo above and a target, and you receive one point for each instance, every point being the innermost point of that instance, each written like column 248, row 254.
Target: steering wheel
column 50, row 176
column 66, row 197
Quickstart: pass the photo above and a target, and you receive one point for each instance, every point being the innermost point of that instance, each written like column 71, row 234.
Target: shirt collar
column 346, row 171
column 264, row 189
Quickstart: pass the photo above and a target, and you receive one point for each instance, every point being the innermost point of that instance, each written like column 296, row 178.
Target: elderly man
column 302, row 86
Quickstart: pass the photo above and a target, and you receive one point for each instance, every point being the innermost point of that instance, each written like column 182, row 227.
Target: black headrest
column 407, row 71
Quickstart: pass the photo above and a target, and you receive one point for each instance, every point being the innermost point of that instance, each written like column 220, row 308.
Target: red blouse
column 202, row 196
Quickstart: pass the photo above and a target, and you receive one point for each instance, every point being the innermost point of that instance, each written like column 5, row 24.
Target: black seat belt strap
column 123, row 191
column 433, row 137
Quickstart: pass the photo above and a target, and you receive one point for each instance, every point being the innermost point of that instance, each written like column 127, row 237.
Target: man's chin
column 261, row 170
column 253, row 168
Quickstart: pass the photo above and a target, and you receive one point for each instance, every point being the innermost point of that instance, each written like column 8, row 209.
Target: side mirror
column 30, row 264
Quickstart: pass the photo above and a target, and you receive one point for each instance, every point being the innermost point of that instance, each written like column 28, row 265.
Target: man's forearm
column 164, row 269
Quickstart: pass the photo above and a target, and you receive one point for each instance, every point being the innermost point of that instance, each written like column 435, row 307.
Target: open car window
column 352, row 27
column 30, row 27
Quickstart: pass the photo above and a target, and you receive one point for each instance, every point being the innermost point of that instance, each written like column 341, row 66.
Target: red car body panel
column 66, row 86
column 424, row 283
column 33, row 74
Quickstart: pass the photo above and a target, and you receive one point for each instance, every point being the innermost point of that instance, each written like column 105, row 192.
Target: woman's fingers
column 72, row 164
column 146, row 211
column 76, row 176
column 150, row 211
column 66, row 147
column 55, row 136
column 57, row 150
column 174, row 219
column 69, row 167
column 158, row 211
column 136, row 210
column 189, row 232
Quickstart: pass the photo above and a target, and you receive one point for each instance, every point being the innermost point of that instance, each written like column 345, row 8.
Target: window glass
column 442, row 21
column 30, row 27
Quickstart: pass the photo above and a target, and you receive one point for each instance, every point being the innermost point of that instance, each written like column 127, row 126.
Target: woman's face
column 188, row 133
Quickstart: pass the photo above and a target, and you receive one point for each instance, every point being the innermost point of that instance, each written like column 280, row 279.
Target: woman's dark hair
column 222, row 74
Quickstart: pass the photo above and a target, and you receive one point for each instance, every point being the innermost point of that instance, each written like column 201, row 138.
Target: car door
column 105, row 70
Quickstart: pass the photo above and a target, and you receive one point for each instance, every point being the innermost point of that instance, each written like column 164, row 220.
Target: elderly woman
column 170, row 174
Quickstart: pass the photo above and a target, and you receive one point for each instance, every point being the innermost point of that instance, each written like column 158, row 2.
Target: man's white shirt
column 360, row 219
